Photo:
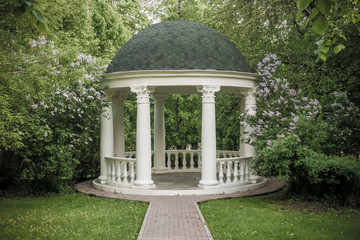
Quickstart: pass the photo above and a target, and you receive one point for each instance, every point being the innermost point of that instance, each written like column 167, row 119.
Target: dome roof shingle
column 178, row 45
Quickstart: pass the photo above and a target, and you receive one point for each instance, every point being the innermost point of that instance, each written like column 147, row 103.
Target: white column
column 208, row 138
column 143, row 138
column 242, row 129
column 159, row 133
column 106, row 141
column 248, row 103
column 119, row 128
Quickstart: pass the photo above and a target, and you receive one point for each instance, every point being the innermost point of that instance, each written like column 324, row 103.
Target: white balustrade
column 227, row 154
column 183, row 160
column 120, row 169
column 232, row 169
column 235, row 168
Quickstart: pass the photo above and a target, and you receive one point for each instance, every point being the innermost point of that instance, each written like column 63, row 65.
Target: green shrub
column 331, row 177
column 304, row 141
column 60, row 131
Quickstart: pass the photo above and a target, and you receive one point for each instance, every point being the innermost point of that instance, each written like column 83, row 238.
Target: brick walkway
column 175, row 217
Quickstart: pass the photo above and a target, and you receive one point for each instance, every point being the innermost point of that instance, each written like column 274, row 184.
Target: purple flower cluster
column 343, row 107
column 46, row 49
column 42, row 41
column 280, row 108
column 76, row 105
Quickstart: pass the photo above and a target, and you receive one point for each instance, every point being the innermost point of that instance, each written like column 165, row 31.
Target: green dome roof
column 178, row 45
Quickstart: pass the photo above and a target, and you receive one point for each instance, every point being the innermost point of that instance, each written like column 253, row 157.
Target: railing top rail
column 192, row 150
column 121, row 158
column 228, row 151
column 233, row 159
column 183, row 150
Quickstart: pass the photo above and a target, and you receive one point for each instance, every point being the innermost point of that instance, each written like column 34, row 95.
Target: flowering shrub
column 344, row 117
column 61, row 136
column 295, row 136
column 286, row 122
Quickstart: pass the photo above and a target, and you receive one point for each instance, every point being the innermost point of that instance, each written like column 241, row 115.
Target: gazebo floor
column 172, row 184
column 177, row 181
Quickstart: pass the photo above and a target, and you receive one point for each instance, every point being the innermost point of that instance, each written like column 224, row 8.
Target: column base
column 206, row 184
column 102, row 179
column 144, row 184
column 253, row 179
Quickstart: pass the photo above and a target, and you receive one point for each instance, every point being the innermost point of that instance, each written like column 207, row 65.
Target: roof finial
column 179, row 10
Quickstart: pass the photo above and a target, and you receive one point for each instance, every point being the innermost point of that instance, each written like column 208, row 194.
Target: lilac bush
column 286, row 123
column 345, row 127
column 303, row 141
column 61, row 137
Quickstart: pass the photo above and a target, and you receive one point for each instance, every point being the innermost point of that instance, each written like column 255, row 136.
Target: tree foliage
column 329, row 18
column 49, row 85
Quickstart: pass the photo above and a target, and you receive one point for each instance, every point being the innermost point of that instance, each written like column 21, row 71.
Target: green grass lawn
column 71, row 216
column 258, row 218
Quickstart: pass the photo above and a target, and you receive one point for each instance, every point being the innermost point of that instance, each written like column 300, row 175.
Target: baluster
column 109, row 170
column 132, row 172
column 113, row 174
column 200, row 161
column 176, row 161
column 125, row 173
column 221, row 173
column 242, row 171
column 184, row 162
column 192, row 163
column 228, row 172
column 236, row 171
column 118, row 172
column 224, row 168
column 246, row 170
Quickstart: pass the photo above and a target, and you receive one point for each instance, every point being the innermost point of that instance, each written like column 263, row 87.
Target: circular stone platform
column 269, row 186
column 179, row 184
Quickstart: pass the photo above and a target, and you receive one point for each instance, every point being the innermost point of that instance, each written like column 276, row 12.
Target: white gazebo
column 177, row 57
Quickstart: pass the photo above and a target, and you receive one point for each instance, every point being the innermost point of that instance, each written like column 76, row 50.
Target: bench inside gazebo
column 177, row 57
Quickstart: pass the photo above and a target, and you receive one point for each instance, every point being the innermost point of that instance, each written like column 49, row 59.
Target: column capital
column 249, row 96
column 108, row 96
column 208, row 92
column 159, row 99
column 142, row 92
column 118, row 99
column 159, row 96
